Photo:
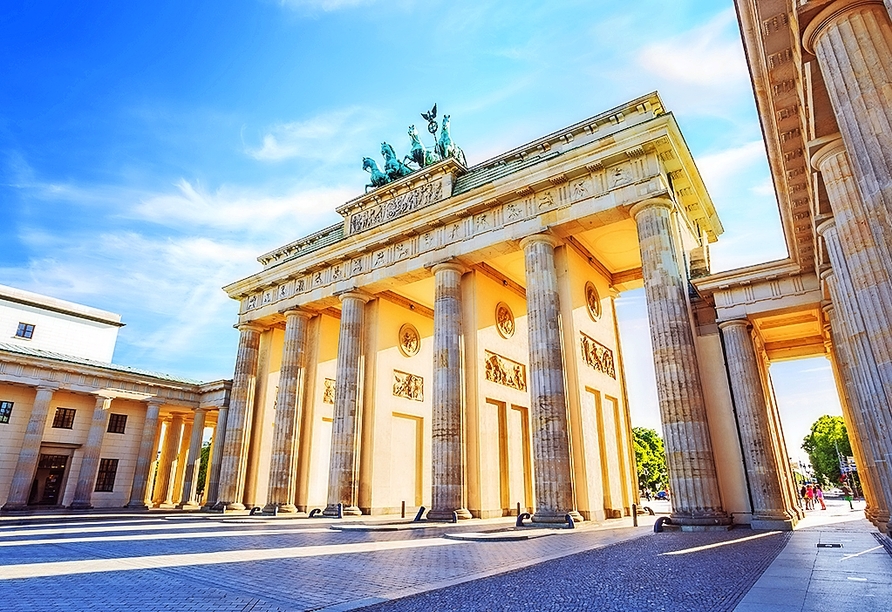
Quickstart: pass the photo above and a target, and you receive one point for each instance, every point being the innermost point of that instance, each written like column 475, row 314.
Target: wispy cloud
column 327, row 137
column 324, row 5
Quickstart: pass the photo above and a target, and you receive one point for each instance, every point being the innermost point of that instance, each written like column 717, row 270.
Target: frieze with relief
column 399, row 206
column 598, row 356
column 504, row 371
column 408, row 386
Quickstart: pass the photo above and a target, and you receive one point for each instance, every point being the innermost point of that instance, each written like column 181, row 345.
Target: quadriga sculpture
column 420, row 155
column 378, row 178
column 447, row 148
column 393, row 167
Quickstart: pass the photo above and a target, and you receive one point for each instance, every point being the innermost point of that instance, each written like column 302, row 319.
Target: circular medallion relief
column 410, row 341
column 592, row 302
column 504, row 320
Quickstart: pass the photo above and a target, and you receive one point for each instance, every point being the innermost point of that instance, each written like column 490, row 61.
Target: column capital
column 541, row 237
column 48, row 387
column 103, row 402
column 448, row 265
column 833, row 146
column 825, row 226
column 296, row 311
column 823, row 19
column 154, row 401
column 664, row 201
column 353, row 294
column 735, row 323
column 249, row 326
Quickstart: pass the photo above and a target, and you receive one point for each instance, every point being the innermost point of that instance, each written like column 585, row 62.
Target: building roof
column 31, row 352
column 20, row 296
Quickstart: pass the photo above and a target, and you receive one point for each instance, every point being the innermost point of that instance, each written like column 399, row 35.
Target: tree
column 650, row 459
column 203, row 467
column 827, row 441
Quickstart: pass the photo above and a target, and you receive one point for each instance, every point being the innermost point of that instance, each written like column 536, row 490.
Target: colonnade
column 176, row 484
column 852, row 41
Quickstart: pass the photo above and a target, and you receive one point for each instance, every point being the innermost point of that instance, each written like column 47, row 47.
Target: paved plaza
column 189, row 562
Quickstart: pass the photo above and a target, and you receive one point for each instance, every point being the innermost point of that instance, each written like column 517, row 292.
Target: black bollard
column 418, row 516
column 521, row 518
column 315, row 512
column 403, row 511
column 634, row 515
column 570, row 523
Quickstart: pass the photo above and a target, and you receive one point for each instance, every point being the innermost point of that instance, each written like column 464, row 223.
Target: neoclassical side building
column 453, row 343
column 78, row 431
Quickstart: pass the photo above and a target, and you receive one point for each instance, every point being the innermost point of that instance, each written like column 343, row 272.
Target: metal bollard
column 570, row 523
column 658, row 526
column 403, row 511
column 634, row 515
column 454, row 516
column 315, row 512
column 520, row 519
column 340, row 511
column 518, row 508
column 418, row 516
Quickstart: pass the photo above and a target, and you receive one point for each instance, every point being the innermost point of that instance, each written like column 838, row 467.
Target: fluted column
column 213, row 485
column 763, row 471
column 447, row 422
column 347, row 404
column 852, row 40
column 692, row 474
column 842, row 364
column 171, row 461
column 857, row 343
column 241, row 404
column 283, row 465
column 549, row 411
column 193, row 461
column 86, row 478
column 147, row 448
column 26, row 465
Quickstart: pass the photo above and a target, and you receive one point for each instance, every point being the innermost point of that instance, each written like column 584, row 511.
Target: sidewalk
column 810, row 575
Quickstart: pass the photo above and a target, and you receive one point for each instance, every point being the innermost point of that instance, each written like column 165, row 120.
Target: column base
column 332, row 510
column 772, row 524
column 222, row 506
column 14, row 507
column 553, row 517
column 446, row 515
column 137, row 505
column 168, row 505
column 81, row 505
column 713, row 519
column 190, row 505
column 283, row 508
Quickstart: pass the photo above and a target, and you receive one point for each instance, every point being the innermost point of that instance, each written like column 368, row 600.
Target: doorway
column 49, row 481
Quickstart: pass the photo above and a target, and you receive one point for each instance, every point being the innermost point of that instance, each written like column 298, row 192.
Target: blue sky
column 150, row 151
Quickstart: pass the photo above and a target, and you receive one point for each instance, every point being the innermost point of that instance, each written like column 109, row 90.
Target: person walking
column 809, row 498
column 819, row 495
column 847, row 495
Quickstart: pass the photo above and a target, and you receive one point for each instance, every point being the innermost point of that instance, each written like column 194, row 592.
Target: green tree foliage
column 828, row 434
column 650, row 459
column 203, row 468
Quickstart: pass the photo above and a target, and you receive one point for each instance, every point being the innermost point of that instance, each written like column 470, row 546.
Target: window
column 105, row 480
column 5, row 411
column 117, row 423
column 25, row 330
column 64, row 418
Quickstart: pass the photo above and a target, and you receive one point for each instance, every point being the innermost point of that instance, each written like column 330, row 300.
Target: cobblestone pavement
column 190, row 563
column 668, row 571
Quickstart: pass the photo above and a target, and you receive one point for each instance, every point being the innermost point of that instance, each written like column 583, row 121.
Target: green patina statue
column 393, row 167
column 378, row 178
column 419, row 155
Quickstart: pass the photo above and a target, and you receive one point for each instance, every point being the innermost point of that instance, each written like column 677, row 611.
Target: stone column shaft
column 852, row 40
column 447, row 421
column 86, row 479
column 26, row 465
column 283, row 466
column 342, row 486
column 234, row 462
column 549, row 410
column 692, row 473
column 213, row 484
column 171, row 460
column 766, row 488
column 842, row 364
column 193, row 461
column 147, row 449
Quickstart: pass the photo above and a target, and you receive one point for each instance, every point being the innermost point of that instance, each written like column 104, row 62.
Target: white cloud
column 324, row 5
column 724, row 168
column 328, row 137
